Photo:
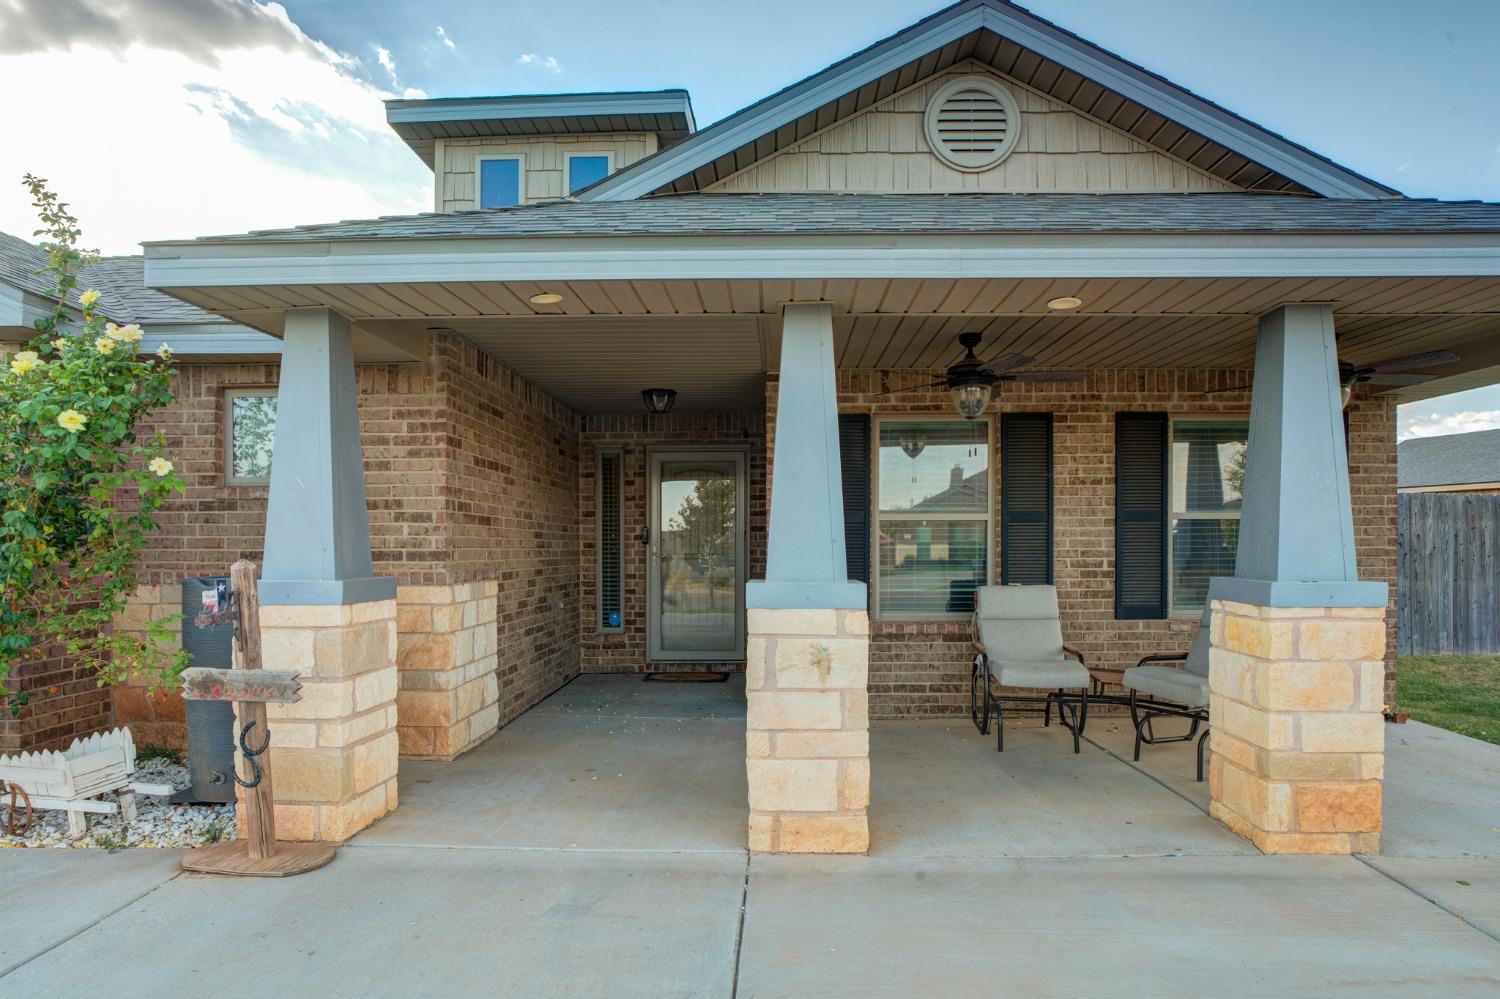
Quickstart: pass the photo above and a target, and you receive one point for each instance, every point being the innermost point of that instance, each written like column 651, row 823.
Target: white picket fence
column 73, row 779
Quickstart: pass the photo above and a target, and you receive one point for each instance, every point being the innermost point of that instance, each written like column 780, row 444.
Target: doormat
column 686, row 677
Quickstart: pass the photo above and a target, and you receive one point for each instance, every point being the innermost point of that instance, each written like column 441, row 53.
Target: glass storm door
column 695, row 559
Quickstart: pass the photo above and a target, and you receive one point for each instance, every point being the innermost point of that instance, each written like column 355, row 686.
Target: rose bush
column 79, row 490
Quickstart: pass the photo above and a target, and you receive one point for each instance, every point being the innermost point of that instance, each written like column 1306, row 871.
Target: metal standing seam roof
column 875, row 214
column 1450, row 460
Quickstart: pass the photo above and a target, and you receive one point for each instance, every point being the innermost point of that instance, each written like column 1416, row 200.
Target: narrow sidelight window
column 249, row 435
column 854, row 467
column 499, row 181
column 1026, row 498
column 611, row 542
column 1141, row 515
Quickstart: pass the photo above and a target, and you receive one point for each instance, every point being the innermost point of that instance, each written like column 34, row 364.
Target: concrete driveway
column 595, row 847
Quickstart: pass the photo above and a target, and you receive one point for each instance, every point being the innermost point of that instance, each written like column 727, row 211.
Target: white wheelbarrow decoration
column 73, row 779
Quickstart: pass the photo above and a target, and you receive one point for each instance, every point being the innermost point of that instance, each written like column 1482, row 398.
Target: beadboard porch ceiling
column 606, row 340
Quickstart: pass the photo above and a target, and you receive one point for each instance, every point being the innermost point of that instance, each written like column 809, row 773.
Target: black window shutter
column 1026, row 498
column 1141, row 468
column 854, row 467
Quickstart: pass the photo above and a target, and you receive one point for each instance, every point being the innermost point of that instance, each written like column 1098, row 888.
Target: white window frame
column 568, row 158
column 876, row 516
column 230, row 394
column 1173, row 517
column 520, row 159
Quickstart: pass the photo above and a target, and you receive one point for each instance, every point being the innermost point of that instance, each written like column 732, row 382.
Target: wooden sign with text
column 251, row 686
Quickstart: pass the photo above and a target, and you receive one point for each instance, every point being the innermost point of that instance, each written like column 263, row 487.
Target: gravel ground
column 157, row 824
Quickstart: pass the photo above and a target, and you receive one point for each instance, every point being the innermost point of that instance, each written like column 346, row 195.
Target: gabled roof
column 1024, row 47
column 420, row 123
column 921, row 214
column 1450, row 460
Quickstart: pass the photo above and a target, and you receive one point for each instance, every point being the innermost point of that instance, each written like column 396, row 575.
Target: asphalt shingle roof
column 123, row 295
column 1450, row 460
column 840, row 214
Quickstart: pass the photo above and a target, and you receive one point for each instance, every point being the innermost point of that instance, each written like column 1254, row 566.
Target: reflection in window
column 499, row 182
column 1208, row 482
column 252, row 432
column 933, row 489
column 584, row 171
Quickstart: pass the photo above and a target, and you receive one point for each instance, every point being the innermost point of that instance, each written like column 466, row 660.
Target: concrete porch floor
column 596, row 846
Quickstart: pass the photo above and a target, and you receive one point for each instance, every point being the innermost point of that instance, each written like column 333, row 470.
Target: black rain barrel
column 210, row 724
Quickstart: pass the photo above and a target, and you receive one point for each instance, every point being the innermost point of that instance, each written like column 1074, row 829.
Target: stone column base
column 1298, row 745
column 334, row 752
column 807, row 734
column 449, row 699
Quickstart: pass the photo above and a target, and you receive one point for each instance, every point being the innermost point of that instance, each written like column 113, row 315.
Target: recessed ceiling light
column 1057, row 304
column 545, row 298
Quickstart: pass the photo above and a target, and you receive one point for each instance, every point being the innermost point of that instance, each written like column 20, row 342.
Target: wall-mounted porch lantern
column 658, row 400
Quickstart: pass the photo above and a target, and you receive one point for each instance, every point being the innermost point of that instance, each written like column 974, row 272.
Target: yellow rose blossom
column 104, row 345
column 58, row 343
column 71, row 420
column 164, row 352
column 88, row 298
column 160, row 466
column 124, row 334
column 24, row 362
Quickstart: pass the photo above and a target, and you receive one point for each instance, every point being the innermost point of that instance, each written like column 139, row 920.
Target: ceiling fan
column 1391, row 371
column 972, row 382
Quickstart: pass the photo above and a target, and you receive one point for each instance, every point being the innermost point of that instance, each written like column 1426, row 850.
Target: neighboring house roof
column 420, row 123
column 1450, row 460
column 843, row 214
column 124, row 298
column 1020, row 45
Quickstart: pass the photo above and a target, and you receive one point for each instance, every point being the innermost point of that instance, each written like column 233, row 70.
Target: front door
column 695, row 561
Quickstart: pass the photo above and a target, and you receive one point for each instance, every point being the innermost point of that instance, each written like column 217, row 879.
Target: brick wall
column 625, row 650
column 64, row 703
column 922, row 668
column 471, row 475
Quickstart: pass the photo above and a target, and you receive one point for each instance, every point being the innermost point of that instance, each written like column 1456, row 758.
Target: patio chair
column 1018, row 643
column 1174, row 692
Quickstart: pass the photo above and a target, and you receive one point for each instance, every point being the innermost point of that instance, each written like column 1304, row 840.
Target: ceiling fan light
column 1064, row 303
column 970, row 398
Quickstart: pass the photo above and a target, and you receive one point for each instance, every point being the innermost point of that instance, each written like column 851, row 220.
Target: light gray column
column 805, row 563
column 317, row 524
column 1296, row 546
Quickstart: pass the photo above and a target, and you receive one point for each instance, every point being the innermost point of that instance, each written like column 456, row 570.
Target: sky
column 160, row 119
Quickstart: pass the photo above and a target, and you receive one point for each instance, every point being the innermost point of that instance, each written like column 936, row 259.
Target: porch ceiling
column 711, row 339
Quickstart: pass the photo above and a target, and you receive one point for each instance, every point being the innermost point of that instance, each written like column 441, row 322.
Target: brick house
column 476, row 505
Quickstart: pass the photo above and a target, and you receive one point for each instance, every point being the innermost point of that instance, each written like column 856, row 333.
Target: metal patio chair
column 1018, row 643
column 1174, row 692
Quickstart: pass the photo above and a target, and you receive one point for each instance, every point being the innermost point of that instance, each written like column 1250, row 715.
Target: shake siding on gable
column 885, row 149
column 544, row 162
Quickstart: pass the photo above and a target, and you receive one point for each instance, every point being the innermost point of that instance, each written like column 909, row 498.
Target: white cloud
column 548, row 63
column 384, row 55
column 231, row 133
column 444, row 36
column 1431, row 424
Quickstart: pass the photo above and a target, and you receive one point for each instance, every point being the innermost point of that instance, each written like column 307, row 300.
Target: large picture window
column 250, row 432
column 1207, row 487
column 933, row 517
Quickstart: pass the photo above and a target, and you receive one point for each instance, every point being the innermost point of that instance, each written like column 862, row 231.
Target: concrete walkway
column 595, row 847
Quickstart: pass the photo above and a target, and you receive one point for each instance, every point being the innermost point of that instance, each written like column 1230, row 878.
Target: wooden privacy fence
column 1448, row 550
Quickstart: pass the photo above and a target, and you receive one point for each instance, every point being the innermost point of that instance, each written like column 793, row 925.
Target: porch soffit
column 1026, row 48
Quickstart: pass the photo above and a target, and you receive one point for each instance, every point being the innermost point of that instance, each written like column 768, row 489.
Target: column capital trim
column 320, row 592
column 1280, row 593
column 769, row 594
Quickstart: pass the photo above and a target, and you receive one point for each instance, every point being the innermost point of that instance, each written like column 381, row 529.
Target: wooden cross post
column 251, row 688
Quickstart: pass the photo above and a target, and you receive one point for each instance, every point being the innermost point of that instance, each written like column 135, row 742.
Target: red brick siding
column 923, row 668
column 65, row 702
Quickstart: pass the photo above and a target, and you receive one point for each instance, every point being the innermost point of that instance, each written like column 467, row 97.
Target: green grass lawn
column 1459, row 693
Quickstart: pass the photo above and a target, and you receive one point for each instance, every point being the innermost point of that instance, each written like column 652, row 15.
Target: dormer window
column 500, row 179
column 586, row 169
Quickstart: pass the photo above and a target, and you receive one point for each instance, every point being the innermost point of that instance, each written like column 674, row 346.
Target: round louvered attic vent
column 972, row 123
